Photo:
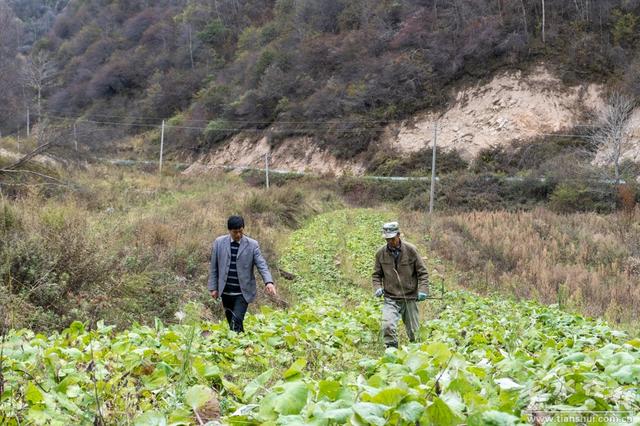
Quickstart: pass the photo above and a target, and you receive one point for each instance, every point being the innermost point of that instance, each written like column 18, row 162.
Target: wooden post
column 543, row 22
column 433, row 167
column 75, row 136
column 266, row 169
column 161, row 146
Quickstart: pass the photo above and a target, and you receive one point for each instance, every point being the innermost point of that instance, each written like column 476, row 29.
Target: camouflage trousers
column 392, row 311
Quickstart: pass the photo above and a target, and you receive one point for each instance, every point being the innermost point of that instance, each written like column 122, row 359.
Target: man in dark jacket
column 402, row 278
column 233, row 258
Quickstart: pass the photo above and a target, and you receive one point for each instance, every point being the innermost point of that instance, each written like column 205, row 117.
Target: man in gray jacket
column 402, row 278
column 233, row 258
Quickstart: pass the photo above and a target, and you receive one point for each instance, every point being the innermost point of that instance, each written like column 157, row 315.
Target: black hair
column 235, row 222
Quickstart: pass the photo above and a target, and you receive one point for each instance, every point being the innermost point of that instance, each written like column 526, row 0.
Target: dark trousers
column 235, row 307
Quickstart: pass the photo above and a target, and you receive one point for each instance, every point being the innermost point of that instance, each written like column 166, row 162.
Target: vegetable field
column 479, row 361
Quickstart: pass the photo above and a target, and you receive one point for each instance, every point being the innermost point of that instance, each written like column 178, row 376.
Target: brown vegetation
column 587, row 262
column 128, row 246
column 331, row 69
column 124, row 246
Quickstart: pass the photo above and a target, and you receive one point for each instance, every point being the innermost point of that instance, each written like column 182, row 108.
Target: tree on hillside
column 38, row 73
column 260, row 61
column 613, row 135
column 10, row 31
column 37, row 16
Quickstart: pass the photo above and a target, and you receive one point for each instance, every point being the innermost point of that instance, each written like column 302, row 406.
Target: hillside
column 331, row 80
column 512, row 106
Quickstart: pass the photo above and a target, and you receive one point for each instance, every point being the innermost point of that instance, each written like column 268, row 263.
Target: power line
column 227, row 129
column 260, row 129
column 51, row 113
column 239, row 129
column 135, row 121
column 138, row 120
column 293, row 130
column 363, row 177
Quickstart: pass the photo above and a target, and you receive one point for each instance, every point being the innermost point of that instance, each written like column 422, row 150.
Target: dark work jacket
column 407, row 279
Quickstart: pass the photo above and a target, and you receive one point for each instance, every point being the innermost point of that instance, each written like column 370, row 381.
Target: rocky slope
column 511, row 106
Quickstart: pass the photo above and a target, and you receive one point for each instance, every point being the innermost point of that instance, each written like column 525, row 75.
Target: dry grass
column 589, row 263
column 128, row 246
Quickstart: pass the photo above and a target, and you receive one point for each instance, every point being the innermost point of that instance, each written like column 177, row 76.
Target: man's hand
column 422, row 297
column 214, row 294
column 271, row 289
column 379, row 292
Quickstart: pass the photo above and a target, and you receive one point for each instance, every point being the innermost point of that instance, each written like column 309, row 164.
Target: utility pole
column 28, row 123
column 543, row 22
column 75, row 136
column 266, row 168
column 161, row 146
column 433, row 167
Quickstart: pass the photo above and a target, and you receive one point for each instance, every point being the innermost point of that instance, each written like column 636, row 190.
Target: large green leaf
column 507, row 384
column 329, row 389
column 571, row 358
column 157, row 380
column 296, row 368
column 33, row 394
column 337, row 415
column 371, row 413
column 492, row 418
column 411, row 411
column 292, row 399
column 198, row 395
column 439, row 413
column 254, row 385
column 151, row 418
column 390, row 397
column 627, row 374
column 439, row 351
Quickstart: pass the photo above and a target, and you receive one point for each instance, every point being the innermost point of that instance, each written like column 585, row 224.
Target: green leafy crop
column 480, row 361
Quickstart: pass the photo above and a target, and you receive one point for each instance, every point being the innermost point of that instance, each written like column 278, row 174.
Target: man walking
column 402, row 278
column 232, row 278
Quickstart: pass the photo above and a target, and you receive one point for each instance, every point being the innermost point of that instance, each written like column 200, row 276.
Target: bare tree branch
column 38, row 72
column 33, row 173
column 47, row 137
column 21, row 162
column 612, row 136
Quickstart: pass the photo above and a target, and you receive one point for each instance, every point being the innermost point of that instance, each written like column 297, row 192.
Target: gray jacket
column 248, row 256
